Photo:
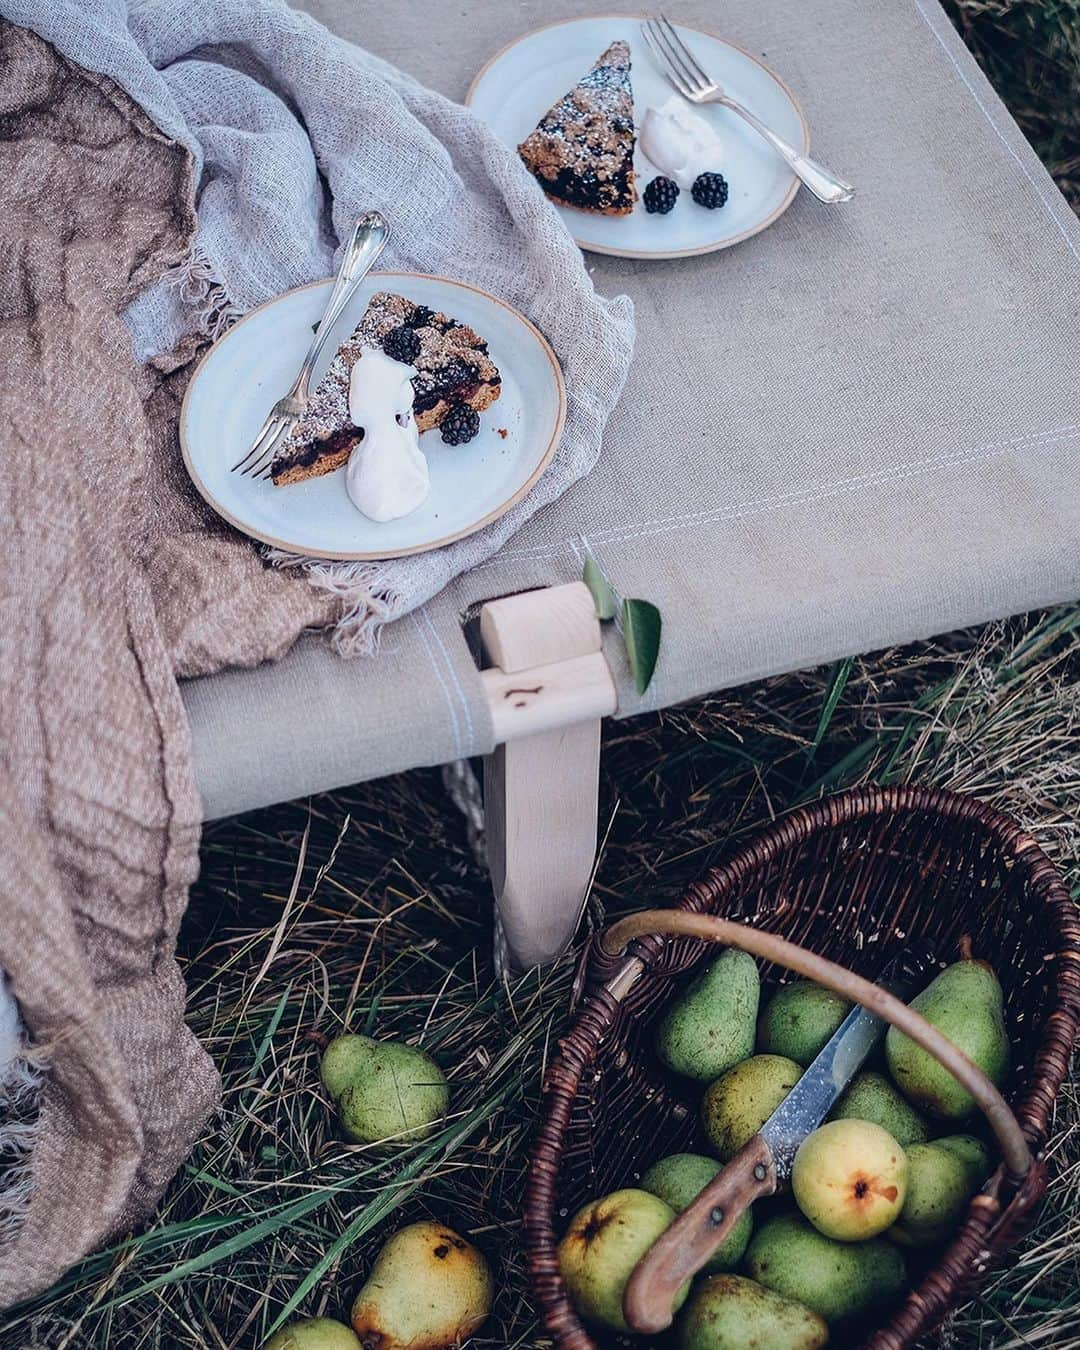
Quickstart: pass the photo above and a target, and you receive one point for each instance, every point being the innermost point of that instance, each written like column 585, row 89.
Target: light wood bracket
column 548, row 685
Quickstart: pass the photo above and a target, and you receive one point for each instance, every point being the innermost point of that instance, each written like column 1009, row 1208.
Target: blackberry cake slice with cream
column 582, row 151
column 453, row 372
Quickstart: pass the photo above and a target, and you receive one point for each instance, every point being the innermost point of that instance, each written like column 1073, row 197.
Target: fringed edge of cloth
column 22, row 1070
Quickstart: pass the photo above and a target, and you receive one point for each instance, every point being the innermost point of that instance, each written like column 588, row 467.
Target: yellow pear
column 604, row 1242
column 314, row 1333
column 736, row 1106
column 429, row 1289
column 850, row 1179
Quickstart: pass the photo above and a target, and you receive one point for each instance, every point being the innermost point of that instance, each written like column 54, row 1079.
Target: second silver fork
column 680, row 65
column 367, row 241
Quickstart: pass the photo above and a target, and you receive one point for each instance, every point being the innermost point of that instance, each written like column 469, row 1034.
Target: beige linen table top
column 857, row 428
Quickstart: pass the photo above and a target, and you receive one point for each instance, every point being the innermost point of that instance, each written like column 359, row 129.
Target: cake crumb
column 502, row 432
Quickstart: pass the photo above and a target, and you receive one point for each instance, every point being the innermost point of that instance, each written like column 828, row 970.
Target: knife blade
column 761, row 1165
column 822, row 1082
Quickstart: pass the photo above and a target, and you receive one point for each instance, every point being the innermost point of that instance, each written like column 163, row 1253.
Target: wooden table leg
column 548, row 685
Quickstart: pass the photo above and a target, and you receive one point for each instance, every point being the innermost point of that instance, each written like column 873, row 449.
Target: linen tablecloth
column 859, row 427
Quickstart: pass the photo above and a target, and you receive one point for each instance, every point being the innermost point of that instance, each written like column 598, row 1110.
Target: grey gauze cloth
column 295, row 133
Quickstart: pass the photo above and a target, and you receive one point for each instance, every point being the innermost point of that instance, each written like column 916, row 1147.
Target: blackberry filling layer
column 317, row 457
column 452, row 365
column 586, row 191
column 582, row 151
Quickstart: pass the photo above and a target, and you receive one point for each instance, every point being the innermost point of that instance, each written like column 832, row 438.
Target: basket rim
column 855, row 804
column 989, row 1226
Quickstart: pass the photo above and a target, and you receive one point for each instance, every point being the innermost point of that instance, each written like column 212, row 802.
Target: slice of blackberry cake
column 453, row 369
column 582, row 151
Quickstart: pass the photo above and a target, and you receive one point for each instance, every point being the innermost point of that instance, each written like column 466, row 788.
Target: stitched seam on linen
column 664, row 527
column 442, row 686
column 1062, row 230
column 1033, row 441
column 453, row 676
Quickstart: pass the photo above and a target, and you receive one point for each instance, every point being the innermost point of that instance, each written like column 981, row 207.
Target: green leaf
column 641, row 633
column 836, row 687
column 372, row 1018
column 271, row 1031
column 604, row 598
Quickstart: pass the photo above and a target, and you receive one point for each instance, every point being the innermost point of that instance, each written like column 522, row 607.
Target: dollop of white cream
column 387, row 475
column 680, row 142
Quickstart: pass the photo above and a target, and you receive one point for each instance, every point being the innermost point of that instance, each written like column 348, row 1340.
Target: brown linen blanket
column 115, row 581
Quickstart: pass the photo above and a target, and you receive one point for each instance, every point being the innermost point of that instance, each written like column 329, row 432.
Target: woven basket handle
column 697, row 1232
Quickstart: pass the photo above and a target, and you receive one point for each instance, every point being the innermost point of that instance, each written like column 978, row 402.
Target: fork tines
column 676, row 58
column 263, row 448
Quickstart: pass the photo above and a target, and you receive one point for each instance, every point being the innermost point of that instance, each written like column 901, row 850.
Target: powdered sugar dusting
column 582, row 150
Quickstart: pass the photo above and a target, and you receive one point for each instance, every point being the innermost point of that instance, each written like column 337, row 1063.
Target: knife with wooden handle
column 760, row 1167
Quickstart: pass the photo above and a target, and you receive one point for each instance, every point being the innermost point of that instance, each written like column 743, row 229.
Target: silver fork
column 366, row 243
column 680, row 66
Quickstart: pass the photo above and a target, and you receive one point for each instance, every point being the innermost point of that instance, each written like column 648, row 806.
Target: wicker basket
column 855, row 879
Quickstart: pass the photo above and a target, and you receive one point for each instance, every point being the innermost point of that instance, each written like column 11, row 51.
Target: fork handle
column 825, row 186
column 366, row 242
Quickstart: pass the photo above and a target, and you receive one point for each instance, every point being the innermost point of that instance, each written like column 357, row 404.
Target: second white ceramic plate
column 517, row 86
column 245, row 371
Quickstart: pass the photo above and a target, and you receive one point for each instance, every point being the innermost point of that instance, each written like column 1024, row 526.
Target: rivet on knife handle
column 684, row 1248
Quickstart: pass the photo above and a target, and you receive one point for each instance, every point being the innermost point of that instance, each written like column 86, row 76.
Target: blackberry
column 456, row 372
column 710, row 190
column 460, row 424
column 401, row 344
column 660, row 196
column 420, row 317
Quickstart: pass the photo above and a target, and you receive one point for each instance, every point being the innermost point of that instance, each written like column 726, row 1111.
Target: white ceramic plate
column 243, row 374
column 517, row 86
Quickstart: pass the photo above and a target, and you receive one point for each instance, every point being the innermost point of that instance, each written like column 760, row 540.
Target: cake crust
column 582, row 150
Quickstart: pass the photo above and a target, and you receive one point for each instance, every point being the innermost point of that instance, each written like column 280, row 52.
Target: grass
column 367, row 910
column 1030, row 49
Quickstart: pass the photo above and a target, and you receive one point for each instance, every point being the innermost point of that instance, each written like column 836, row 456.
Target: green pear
column 870, row 1096
column 384, row 1090
column 849, row 1179
column 342, row 1060
column 316, row 1333
column 799, row 1019
column 605, row 1241
column 736, row 1106
column 940, row 1184
column 711, row 1026
column 965, row 1004
column 728, row 1312
column 972, row 1152
column 837, row 1280
column 678, row 1180
column 429, row 1289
